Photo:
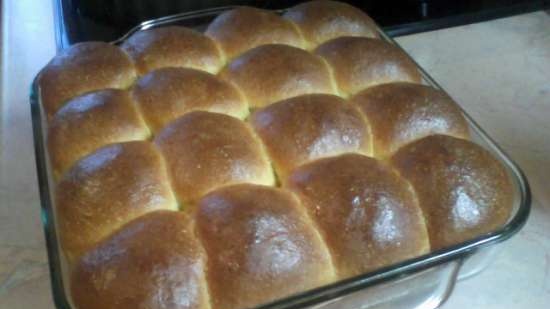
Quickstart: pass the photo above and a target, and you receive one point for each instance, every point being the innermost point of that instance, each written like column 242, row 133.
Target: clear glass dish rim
column 315, row 296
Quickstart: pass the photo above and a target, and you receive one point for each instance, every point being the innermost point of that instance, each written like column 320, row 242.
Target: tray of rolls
column 244, row 158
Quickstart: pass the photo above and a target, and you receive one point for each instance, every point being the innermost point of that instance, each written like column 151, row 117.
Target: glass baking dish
column 423, row 282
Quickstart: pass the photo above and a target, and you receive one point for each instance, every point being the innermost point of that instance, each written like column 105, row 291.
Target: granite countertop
column 499, row 71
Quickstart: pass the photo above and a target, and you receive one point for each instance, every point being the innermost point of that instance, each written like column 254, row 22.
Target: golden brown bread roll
column 154, row 261
column 367, row 214
column 244, row 28
column 165, row 94
column 206, row 150
column 309, row 127
column 89, row 122
column 106, row 189
column 358, row 63
column 399, row 113
column 261, row 246
column 320, row 21
column 275, row 72
column 172, row 46
column 463, row 190
column 81, row 68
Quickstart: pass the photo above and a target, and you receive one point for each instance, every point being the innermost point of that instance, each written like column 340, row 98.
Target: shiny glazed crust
column 463, row 191
column 106, row 189
column 154, row 261
column 302, row 129
column 399, row 113
column 81, row 68
column 367, row 214
column 89, row 122
column 259, row 240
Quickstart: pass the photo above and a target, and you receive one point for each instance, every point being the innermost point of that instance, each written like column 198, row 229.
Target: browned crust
column 106, row 189
column 205, row 150
column 154, row 261
column 89, row 122
column 275, row 72
column 261, row 246
column 366, row 213
column 321, row 21
column 166, row 94
column 81, row 68
column 301, row 129
column 173, row 46
column 358, row 63
column 463, row 190
column 399, row 113
column 244, row 28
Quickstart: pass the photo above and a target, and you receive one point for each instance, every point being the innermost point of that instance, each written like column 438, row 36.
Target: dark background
column 106, row 20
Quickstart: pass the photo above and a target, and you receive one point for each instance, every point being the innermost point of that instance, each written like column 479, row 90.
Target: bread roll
column 320, row 21
column 165, row 94
column 206, row 150
column 81, row 68
column 106, row 189
column 89, row 122
column 244, row 28
column 463, row 190
column 308, row 127
column 173, row 46
column 367, row 214
column 399, row 113
column 261, row 246
column 155, row 261
column 358, row 63
column 271, row 73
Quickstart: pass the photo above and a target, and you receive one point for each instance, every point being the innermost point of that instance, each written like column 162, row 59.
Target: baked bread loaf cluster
column 264, row 157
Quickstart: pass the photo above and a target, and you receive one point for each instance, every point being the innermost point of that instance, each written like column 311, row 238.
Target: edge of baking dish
column 456, row 253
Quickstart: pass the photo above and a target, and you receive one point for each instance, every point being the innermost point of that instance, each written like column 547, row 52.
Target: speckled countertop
column 499, row 71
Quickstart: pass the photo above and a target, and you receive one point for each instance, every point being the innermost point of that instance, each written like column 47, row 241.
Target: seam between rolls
column 315, row 227
column 224, row 60
column 388, row 163
column 264, row 153
column 140, row 113
column 205, row 272
column 366, row 120
column 164, row 166
column 332, row 77
column 305, row 46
